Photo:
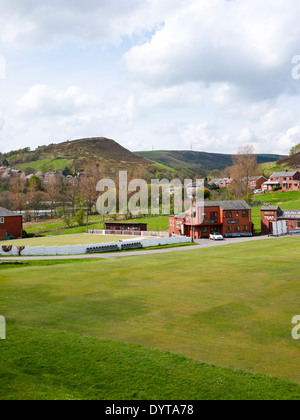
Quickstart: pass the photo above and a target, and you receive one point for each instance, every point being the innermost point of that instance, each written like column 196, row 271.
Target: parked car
column 216, row 236
column 258, row 192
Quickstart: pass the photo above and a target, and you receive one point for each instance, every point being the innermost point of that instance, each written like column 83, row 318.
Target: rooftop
column 289, row 214
column 228, row 204
column 283, row 174
column 270, row 208
column 6, row 213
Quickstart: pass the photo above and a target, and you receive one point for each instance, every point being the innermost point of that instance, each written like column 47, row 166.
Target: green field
column 58, row 227
column 79, row 239
column 46, row 165
column 228, row 306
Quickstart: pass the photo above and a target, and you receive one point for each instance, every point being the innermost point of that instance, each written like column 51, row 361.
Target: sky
column 206, row 75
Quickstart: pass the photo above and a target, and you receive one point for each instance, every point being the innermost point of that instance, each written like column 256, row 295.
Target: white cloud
column 40, row 22
column 213, row 73
column 44, row 101
column 246, row 43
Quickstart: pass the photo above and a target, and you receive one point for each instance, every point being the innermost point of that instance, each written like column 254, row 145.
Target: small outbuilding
column 272, row 218
column 11, row 225
column 114, row 227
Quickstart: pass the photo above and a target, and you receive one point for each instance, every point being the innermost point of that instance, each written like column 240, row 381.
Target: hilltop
column 292, row 161
column 198, row 160
column 289, row 163
column 77, row 154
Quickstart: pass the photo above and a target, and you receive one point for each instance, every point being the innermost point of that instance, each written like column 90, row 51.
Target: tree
column 18, row 192
column 88, row 191
column 52, row 189
column 34, row 184
column 29, row 170
column 36, row 201
column 295, row 150
column 244, row 166
column 5, row 162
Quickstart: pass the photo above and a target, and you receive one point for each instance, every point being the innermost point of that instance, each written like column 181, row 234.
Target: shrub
column 26, row 235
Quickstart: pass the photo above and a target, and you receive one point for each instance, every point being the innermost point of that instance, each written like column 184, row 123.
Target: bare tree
column 52, row 188
column 244, row 167
column 88, row 191
column 18, row 192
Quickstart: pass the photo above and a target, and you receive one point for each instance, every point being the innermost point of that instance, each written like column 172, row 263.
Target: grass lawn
column 38, row 363
column 57, row 226
column 77, row 239
column 228, row 306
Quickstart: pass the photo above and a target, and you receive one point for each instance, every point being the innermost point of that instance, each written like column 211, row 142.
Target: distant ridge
column 194, row 160
column 78, row 154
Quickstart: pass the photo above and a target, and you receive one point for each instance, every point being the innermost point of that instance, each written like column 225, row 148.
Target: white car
column 216, row 236
column 258, row 192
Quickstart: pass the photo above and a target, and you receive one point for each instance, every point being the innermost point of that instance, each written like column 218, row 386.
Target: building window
column 178, row 225
column 229, row 215
column 245, row 214
column 229, row 229
column 237, row 229
column 204, row 230
column 214, row 216
column 298, row 224
column 1, row 220
column 245, row 228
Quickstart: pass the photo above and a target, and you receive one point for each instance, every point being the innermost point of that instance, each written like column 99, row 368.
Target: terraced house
column 231, row 218
column 287, row 181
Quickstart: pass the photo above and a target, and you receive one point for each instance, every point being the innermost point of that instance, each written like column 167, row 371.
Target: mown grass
column 58, row 226
column 39, row 363
column 76, row 239
column 229, row 306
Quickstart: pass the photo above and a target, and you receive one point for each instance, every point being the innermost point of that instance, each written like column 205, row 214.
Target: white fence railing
column 129, row 233
column 82, row 249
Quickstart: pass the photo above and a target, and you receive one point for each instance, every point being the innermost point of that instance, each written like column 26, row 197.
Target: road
column 202, row 243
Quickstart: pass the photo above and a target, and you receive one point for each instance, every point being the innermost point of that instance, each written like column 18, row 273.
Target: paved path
column 202, row 243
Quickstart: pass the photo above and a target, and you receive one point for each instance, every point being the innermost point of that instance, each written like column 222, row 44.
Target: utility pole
column 192, row 216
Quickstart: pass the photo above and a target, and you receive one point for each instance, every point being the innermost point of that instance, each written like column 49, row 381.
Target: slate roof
column 283, row 174
column 289, row 215
column 181, row 215
column 7, row 213
column 270, row 208
column 229, row 204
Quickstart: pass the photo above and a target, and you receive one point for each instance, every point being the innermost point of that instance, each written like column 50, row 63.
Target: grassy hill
column 197, row 160
column 290, row 163
column 77, row 154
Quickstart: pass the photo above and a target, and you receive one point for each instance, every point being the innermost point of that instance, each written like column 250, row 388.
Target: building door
column 2, row 234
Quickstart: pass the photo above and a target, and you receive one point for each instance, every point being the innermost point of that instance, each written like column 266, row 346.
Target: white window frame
column 1, row 220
